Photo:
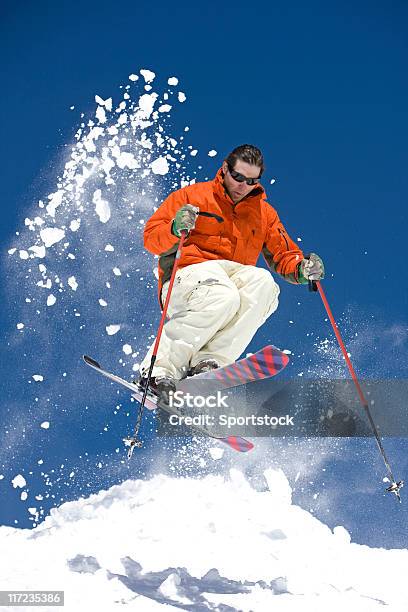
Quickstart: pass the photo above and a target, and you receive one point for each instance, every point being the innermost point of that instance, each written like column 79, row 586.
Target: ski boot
column 164, row 385
column 205, row 365
column 159, row 388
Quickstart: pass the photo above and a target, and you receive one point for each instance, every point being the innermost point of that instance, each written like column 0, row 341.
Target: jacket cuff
column 302, row 280
column 172, row 229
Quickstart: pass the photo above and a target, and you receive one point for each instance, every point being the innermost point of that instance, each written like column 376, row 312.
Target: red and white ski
column 267, row 362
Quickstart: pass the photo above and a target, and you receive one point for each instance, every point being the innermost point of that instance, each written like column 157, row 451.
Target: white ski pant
column 214, row 311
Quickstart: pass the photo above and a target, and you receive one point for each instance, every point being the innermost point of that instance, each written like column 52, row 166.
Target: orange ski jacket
column 249, row 228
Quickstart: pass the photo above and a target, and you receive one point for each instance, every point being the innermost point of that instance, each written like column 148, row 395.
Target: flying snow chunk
column 160, row 166
column 39, row 251
column 19, row 481
column 47, row 284
column 146, row 104
column 127, row 159
column 74, row 225
column 102, row 207
column 109, row 247
column 93, row 135
column 127, row 349
column 273, row 181
column 55, row 201
column 45, row 425
column 51, row 235
column 133, row 77
column 51, row 299
column 212, row 153
column 216, row 453
column 106, row 103
column 73, row 283
column 100, row 114
column 23, row 254
column 20, row 325
column 38, row 377
column 181, row 96
column 117, row 272
column 12, row 251
column 148, row 75
column 111, row 330
column 24, row 496
column 165, row 108
column 102, row 302
column 172, row 81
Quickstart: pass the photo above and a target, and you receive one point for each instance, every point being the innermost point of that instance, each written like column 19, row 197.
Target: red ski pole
column 395, row 486
column 134, row 440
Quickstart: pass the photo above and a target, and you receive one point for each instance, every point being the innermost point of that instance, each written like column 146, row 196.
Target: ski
column 236, row 442
column 266, row 363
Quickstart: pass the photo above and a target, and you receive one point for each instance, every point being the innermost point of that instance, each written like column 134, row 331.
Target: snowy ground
column 200, row 544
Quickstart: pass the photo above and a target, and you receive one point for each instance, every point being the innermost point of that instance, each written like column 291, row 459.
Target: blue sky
column 322, row 90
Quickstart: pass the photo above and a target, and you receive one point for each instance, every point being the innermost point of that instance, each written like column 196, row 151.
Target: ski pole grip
column 312, row 283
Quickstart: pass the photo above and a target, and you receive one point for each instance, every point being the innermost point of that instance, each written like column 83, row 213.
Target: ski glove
column 311, row 268
column 185, row 219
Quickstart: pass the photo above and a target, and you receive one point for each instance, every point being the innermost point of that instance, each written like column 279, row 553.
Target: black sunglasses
column 240, row 178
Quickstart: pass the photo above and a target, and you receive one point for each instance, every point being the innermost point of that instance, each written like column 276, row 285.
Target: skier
column 219, row 298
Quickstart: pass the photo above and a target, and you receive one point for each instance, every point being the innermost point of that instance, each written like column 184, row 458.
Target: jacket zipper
column 283, row 234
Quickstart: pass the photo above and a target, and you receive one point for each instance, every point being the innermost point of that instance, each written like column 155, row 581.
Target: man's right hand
column 185, row 219
column 311, row 268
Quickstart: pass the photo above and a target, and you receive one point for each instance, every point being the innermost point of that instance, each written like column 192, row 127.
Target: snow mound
column 200, row 544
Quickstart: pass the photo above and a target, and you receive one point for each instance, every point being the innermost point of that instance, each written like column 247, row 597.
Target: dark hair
column 247, row 153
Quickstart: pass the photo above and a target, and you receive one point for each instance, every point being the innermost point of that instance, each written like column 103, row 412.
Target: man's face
column 237, row 190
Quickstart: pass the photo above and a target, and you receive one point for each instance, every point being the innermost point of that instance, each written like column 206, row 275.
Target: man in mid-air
column 220, row 297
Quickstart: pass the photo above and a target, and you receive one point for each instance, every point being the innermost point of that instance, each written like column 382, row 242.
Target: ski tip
column 92, row 362
column 239, row 444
